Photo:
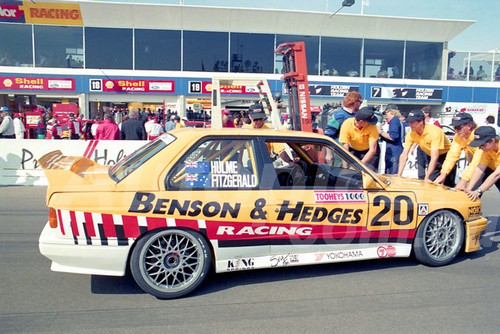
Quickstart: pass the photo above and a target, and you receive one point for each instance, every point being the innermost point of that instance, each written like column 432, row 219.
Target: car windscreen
column 128, row 164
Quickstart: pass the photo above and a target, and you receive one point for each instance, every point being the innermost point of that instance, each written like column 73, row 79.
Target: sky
column 484, row 35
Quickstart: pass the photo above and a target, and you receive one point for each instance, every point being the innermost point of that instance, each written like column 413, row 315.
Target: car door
column 321, row 206
column 216, row 189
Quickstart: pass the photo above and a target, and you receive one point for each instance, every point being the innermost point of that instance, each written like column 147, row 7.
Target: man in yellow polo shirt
column 486, row 139
column 359, row 135
column 464, row 126
column 433, row 142
column 258, row 117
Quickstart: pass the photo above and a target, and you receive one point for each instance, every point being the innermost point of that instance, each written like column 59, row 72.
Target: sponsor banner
column 295, row 259
column 135, row 86
column 41, row 13
column 406, row 93
column 346, row 196
column 18, row 164
column 331, row 90
column 205, row 87
column 34, row 83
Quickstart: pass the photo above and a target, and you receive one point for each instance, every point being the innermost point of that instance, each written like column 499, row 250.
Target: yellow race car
column 195, row 199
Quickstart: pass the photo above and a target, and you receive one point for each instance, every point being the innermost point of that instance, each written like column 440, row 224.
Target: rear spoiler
column 55, row 160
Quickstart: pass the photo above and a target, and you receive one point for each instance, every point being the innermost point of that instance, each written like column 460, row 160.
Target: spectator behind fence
column 133, row 128
column 108, row 129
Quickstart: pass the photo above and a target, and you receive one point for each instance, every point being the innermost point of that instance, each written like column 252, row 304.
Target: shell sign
column 41, row 13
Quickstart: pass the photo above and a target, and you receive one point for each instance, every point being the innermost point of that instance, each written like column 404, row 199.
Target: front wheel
column 170, row 263
column 439, row 239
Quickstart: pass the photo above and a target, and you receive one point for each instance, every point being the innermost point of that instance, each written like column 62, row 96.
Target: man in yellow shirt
column 486, row 139
column 359, row 135
column 433, row 142
column 464, row 126
column 258, row 117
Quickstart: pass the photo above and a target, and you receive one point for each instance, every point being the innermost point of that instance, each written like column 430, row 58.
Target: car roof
column 198, row 132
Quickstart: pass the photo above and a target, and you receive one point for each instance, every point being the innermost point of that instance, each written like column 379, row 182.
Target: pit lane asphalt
column 385, row 296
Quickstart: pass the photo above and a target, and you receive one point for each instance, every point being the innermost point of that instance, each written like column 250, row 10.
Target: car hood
column 73, row 171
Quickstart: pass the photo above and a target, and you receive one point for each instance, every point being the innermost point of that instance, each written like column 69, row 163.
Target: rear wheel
column 170, row 263
column 439, row 238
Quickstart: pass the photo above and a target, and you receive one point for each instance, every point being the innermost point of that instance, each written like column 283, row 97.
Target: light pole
column 345, row 3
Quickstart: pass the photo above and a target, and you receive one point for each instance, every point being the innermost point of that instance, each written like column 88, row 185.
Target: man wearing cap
column 464, row 126
column 486, row 139
column 431, row 139
column 227, row 122
column 393, row 138
column 170, row 125
column 258, row 118
column 359, row 135
column 7, row 129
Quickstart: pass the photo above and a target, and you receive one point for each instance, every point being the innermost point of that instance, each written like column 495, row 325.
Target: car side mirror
column 369, row 182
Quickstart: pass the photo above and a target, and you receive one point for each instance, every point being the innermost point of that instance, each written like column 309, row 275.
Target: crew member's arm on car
column 432, row 164
column 490, row 180
column 402, row 160
column 371, row 152
column 475, row 177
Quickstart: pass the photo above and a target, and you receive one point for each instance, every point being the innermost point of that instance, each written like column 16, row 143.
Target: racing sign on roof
column 41, row 12
column 37, row 83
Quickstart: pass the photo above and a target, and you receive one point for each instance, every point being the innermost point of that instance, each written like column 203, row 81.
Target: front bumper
column 473, row 231
column 82, row 259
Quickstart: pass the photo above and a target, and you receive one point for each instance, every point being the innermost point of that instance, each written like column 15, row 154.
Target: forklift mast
column 296, row 84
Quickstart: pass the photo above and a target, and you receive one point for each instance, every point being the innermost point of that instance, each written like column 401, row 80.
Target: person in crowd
column 481, row 74
column 486, row 139
column 422, row 158
column 258, row 117
column 93, row 127
column 490, row 120
column 360, row 136
column 433, row 142
column 393, row 138
column 464, row 126
column 108, row 129
column 227, row 122
column 351, row 103
column 170, row 125
column 133, row 129
column 19, row 128
column 41, row 129
column 177, row 122
column 154, row 129
column 74, row 127
column 55, row 130
column 7, row 129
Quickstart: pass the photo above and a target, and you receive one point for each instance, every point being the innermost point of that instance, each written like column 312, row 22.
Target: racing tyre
column 170, row 263
column 439, row 239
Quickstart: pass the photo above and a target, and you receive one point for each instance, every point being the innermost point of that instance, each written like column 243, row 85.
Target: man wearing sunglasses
column 464, row 126
column 486, row 139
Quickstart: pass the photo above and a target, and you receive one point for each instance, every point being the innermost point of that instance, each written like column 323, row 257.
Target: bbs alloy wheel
column 170, row 263
column 439, row 238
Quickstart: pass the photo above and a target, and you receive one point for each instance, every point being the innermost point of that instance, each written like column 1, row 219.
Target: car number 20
column 391, row 212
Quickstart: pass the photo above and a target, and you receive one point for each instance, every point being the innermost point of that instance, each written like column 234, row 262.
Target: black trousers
column 373, row 163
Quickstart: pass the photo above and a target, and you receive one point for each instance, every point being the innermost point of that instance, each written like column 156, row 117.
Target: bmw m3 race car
column 196, row 199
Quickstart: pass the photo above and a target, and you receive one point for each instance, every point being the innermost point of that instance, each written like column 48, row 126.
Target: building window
column 64, row 51
column 15, row 45
column 312, row 52
column 205, row 51
column 383, row 59
column 423, row 60
column 108, row 48
column 252, row 53
column 157, row 50
column 340, row 56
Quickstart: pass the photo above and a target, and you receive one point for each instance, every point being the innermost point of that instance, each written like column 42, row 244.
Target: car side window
column 316, row 166
column 217, row 164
